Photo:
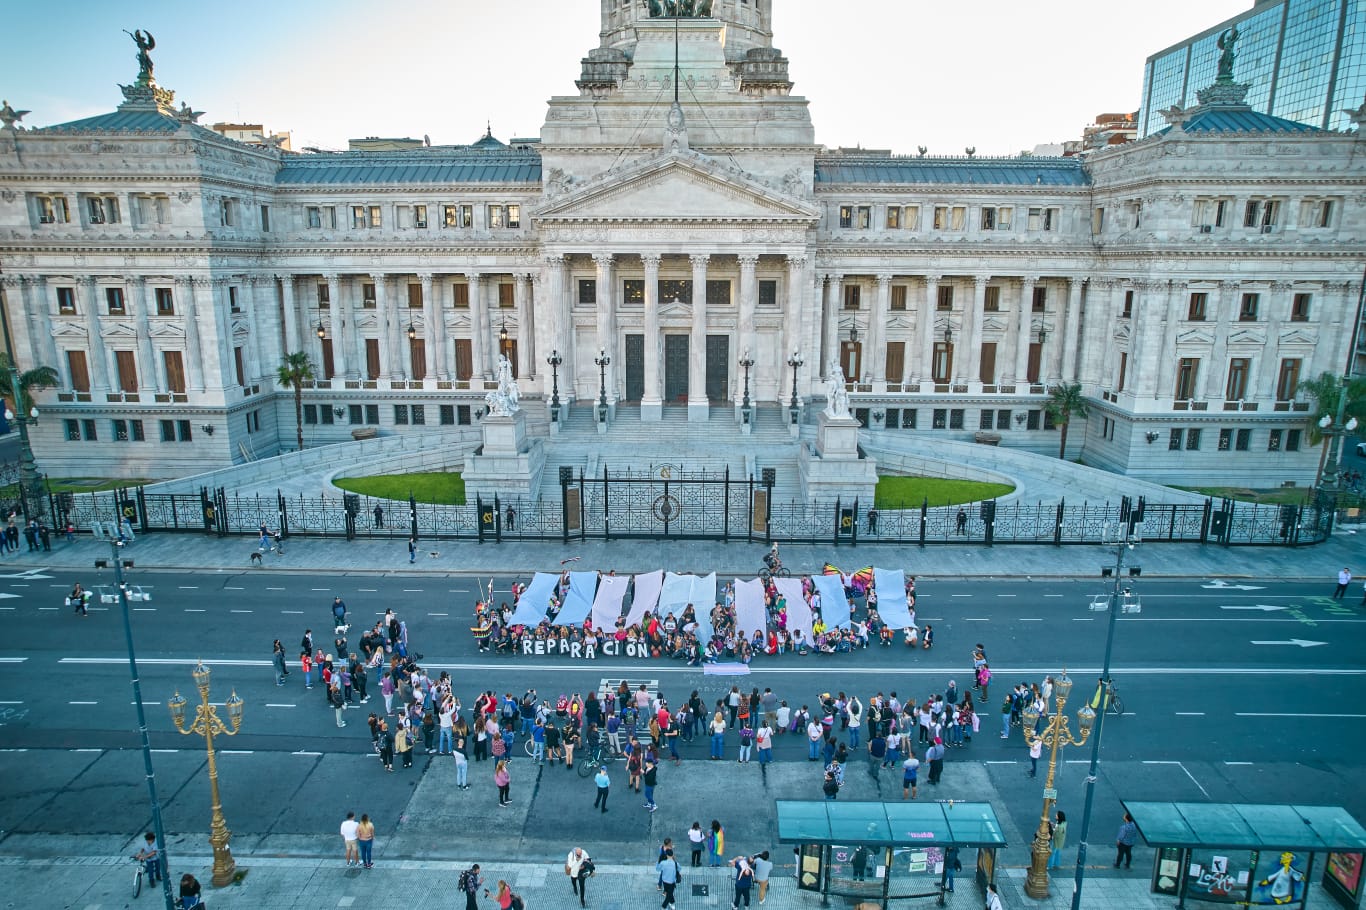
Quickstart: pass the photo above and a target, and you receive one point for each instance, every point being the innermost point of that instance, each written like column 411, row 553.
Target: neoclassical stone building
column 1189, row 281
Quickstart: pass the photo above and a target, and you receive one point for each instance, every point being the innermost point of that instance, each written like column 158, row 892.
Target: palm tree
column 1064, row 403
column 36, row 378
column 294, row 371
column 1326, row 391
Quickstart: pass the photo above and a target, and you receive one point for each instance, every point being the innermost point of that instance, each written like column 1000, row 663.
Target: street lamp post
column 1334, row 429
column 794, row 361
column 746, row 410
column 554, row 361
column 602, row 360
column 30, row 484
column 207, row 724
column 1054, row 735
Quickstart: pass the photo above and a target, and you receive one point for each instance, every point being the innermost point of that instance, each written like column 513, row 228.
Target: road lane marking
column 368, row 590
column 87, row 750
column 166, row 751
column 7, row 608
column 144, row 609
column 1193, row 780
column 1190, row 713
column 1161, row 763
column 146, row 703
column 960, row 595
column 11, row 703
column 1007, row 595
column 438, row 614
column 13, row 660
column 1055, row 595
column 307, row 753
column 976, row 619
column 271, row 705
column 194, row 610
column 189, row 587
column 1251, row 714
column 241, row 611
column 274, row 589
column 1030, row 618
column 49, row 608
column 1083, row 619
column 230, row 588
column 293, row 612
column 412, row 590
column 82, row 703
column 236, row 752
column 1237, row 762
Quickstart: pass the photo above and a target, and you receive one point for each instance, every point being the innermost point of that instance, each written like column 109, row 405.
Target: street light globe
column 201, row 675
column 1031, row 716
column 176, row 704
column 9, row 415
column 1325, row 422
column 1352, row 424
column 1062, row 686
column 1085, row 718
column 234, row 706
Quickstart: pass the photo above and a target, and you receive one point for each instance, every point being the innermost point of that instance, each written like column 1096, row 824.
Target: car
column 1361, row 449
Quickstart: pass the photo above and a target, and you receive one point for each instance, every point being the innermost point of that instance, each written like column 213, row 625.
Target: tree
column 1064, row 403
column 36, row 378
column 1326, row 391
column 294, row 371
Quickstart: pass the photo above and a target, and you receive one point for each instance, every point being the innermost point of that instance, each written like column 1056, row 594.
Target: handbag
column 587, row 868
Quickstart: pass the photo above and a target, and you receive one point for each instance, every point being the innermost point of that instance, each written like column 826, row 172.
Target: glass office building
column 1305, row 60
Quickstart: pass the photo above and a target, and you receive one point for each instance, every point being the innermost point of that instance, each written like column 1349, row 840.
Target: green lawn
column 92, row 484
column 1290, row 496
column 443, row 488
column 909, row 492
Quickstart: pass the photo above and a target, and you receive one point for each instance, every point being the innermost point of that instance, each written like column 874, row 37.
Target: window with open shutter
column 896, row 360
column 988, row 371
column 464, row 360
column 371, row 359
column 417, row 348
column 126, row 363
column 80, row 373
column 175, row 371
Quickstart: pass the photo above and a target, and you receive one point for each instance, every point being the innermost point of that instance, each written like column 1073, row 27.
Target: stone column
column 749, row 300
column 791, row 337
column 1022, row 332
column 97, row 356
column 479, row 332
column 222, row 326
column 877, row 332
column 697, row 343
column 1216, row 374
column 526, row 330
column 1067, row 369
column 925, row 333
column 606, row 338
column 834, row 299
column 1097, row 349
column 974, row 364
column 1335, row 297
column 557, row 299
column 443, row 352
column 38, row 307
column 252, row 367
column 268, row 321
column 1271, row 354
column 1164, row 377
column 291, row 313
column 651, row 405
column 147, row 370
column 336, row 320
column 194, row 346
column 429, row 330
column 384, row 319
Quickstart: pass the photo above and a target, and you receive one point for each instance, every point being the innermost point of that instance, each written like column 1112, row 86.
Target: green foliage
column 1064, row 403
column 1326, row 391
column 896, row 492
column 295, row 370
column 36, row 378
column 442, row 488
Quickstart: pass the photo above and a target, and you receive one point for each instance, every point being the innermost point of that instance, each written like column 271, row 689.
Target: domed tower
column 749, row 24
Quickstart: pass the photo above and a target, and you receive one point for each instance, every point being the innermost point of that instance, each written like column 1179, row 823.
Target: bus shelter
column 1251, row 855
column 875, row 852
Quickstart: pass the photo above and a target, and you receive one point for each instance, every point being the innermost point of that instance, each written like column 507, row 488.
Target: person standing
column 763, row 868
column 651, row 779
column 1035, row 750
column 744, row 879
column 379, row 516
column 669, row 873
column 814, row 735
column 403, row 744
column 469, row 883
column 462, row 761
column 1124, row 841
column 698, row 838
column 1059, row 840
column 365, row 840
column 277, row 657
column 412, row 550
column 718, row 736
column 935, row 754
column 386, row 745
column 578, row 866
column 349, row 829
column 993, row 898
column 334, row 696
column 503, row 780
column 910, row 770
column 716, row 844
column 951, row 865
column 1344, row 579
column 764, row 741
column 604, row 784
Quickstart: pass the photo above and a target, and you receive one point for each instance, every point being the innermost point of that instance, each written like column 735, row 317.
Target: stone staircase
column 631, row 444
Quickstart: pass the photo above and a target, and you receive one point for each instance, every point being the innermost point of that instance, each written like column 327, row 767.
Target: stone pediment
column 994, row 324
column 674, row 308
column 167, row 330
column 898, row 322
column 1195, row 336
column 68, row 330
column 118, row 330
column 1299, row 336
column 1246, row 336
column 366, row 320
column 682, row 186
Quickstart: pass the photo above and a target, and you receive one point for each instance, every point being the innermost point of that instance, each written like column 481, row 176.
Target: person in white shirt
column 578, row 866
column 814, row 734
column 349, row 830
column 1344, row 579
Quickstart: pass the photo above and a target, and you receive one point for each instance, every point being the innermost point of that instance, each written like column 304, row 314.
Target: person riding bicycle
column 772, row 559
column 189, row 892
column 1105, row 691
column 150, row 858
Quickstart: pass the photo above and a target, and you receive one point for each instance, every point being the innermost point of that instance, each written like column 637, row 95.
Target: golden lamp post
column 1055, row 734
column 207, row 724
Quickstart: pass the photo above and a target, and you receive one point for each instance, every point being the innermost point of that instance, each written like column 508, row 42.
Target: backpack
column 464, row 884
column 517, row 903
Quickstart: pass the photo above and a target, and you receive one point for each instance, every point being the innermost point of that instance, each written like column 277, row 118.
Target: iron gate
column 666, row 501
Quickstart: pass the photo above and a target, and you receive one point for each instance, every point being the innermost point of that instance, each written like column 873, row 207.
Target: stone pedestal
column 699, row 412
column 507, row 464
column 651, row 411
column 833, row 468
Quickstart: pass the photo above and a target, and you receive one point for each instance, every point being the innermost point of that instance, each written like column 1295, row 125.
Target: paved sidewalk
column 308, row 883
column 195, row 552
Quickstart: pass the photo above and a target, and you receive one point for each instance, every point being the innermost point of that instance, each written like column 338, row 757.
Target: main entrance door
column 635, row 367
column 718, row 367
column 675, row 368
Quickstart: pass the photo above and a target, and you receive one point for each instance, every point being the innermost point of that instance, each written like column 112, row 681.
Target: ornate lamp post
column 1055, row 734
column 207, row 724
column 554, row 361
column 1332, row 427
column 746, row 410
column 30, row 484
column 794, row 361
column 602, row 360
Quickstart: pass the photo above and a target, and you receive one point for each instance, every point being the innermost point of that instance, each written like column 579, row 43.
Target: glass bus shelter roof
column 880, row 824
column 1231, row 826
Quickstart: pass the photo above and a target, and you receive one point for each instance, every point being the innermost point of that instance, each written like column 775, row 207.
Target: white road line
column 999, row 763
column 438, row 614
column 236, row 752
column 293, row 612
column 1055, row 595
column 182, row 662
column 1007, row 595
column 230, row 588
column 1083, row 619
column 960, row 595
column 1190, row 713
column 166, row 751
column 1194, row 781
column 87, row 750
column 49, row 608
column 18, row 586
column 1237, row 762
column 7, row 608
column 274, row 589
column 412, row 590
column 82, row 703
column 368, row 590
column 11, row 703
column 12, row 660
column 1030, row 618
column 1250, row 714
column 1161, row 763
column 20, row 750
column 308, row 753
column 146, row 703
column 976, row 619
column 240, row 611
column 194, row 610
column 271, row 705
column 144, row 609
column 189, row 587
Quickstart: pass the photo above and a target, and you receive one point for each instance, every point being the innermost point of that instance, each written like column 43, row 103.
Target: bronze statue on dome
column 1226, row 54
column 680, row 9
column 145, row 43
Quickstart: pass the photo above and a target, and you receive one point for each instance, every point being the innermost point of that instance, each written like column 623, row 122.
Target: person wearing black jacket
column 386, row 745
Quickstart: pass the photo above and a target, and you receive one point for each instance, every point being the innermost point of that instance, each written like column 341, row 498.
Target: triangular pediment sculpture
column 1298, row 336
column 676, row 187
column 167, row 330
column 1195, row 336
column 1247, row 336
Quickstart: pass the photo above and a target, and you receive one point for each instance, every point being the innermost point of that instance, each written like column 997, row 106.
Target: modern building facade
column 1188, row 281
column 1303, row 60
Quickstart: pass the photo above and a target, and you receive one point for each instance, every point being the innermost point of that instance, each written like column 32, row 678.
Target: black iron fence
column 713, row 508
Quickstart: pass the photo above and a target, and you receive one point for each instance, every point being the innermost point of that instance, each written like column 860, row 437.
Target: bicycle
column 137, row 876
column 774, row 569
column 588, row 766
column 1112, row 702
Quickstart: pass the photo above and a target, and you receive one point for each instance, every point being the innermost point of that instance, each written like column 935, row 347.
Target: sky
column 997, row 76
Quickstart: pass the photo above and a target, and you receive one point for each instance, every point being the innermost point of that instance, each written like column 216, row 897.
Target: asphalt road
column 1246, row 691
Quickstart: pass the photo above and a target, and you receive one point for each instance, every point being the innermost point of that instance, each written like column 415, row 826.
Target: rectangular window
column 898, row 296
column 313, row 216
column 463, row 417
column 956, row 418
column 355, row 414
column 988, row 224
column 265, row 218
column 326, row 414
column 372, row 414
column 1193, row 439
column 420, row 217
column 1273, row 441
column 311, row 414
column 1236, row 387
column 102, row 209
column 864, row 217
column 1033, row 418
column 893, row 419
column 941, row 419
column 125, row 364
column 1123, row 370
column 114, row 298
column 1048, row 423
column 1040, row 301
column 1243, row 441
column 324, row 295
column 718, row 292
column 460, row 296
column 996, row 218
column 506, row 299
column 986, row 420
column 1247, row 308
column 1225, row 440
column 1034, row 365
column 991, row 302
column 88, row 431
column 1261, row 214
column 1128, row 305
column 447, row 415
column 1195, row 311
column 494, row 214
column 910, row 220
column 174, row 364
column 1043, row 219
column 375, row 220
column 448, row 216
column 851, row 296
column 896, row 360
column 80, row 374
column 414, row 296
column 329, row 369
column 254, row 421
column 588, row 290
column 367, row 296
column 674, row 290
column 165, row 298
column 417, row 354
column 464, row 360
column 419, row 415
column 768, row 293
column 1003, row 419
column 909, row 418
column 358, row 219
column 945, row 299
column 372, row 358
column 1175, row 439
column 401, row 414
column 176, row 431
column 1187, row 371
column 1299, row 307
column 120, row 430
column 893, row 217
column 633, row 291
column 232, row 300
column 73, row 430
column 846, row 216
column 66, row 301
column 1288, row 379
column 52, row 210
column 1209, row 214
column 1098, row 220
column 226, row 214
column 988, row 371
column 1292, row 440
column 239, row 368
column 942, row 362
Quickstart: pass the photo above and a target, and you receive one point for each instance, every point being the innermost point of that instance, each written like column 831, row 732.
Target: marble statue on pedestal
column 505, row 401
column 836, row 395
